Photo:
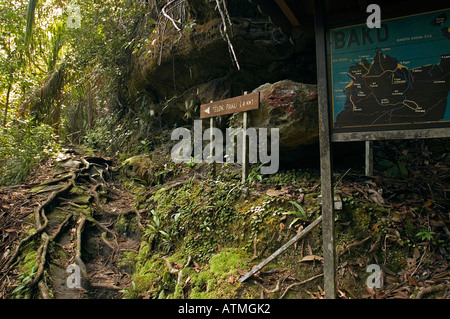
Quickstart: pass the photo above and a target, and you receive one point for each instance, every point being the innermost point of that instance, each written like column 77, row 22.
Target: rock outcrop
column 177, row 71
column 291, row 107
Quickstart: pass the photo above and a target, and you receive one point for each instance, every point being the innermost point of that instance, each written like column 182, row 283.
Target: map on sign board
column 396, row 75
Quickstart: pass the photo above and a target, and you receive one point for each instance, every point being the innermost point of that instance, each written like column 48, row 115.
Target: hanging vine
column 224, row 31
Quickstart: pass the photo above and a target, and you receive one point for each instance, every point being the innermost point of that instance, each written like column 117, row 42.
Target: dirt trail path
column 76, row 222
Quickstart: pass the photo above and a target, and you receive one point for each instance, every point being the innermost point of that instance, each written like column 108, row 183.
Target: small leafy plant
column 155, row 233
column 255, row 175
column 425, row 234
column 299, row 214
column 395, row 169
column 21, row 290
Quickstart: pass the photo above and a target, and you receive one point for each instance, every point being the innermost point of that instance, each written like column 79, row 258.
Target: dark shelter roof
column 296, row 17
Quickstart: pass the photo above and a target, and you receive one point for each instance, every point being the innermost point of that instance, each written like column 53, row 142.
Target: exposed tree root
column 42, row 261
column 61, row 226
column 175, row 271
column 428, row 290
column 355, row 244
column 43, row 290
column 299, row 284
column 105, row 286
column 40, row 213
column 78, row 260
column 47, row 232
column 267, row 291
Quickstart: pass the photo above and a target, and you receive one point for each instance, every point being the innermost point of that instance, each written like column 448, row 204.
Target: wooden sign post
column 243, row 104
column 244, row 146
column 369, row 158
column 327, row 189
column 211, row 151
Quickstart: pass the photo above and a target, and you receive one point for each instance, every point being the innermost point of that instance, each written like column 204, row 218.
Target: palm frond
column 30, row 21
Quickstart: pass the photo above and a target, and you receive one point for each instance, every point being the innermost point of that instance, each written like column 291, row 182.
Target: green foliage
column 30, row 21
column 395, row 169
column 255, row 175
column 100, row 137
column 155, row 234
column 283, row 178
column 224, row 264
column 425, row 234
column 195, row 218
column 22, row 289
column 111, row 136
column 300, row 214
column 24, row 144
column 205, row 223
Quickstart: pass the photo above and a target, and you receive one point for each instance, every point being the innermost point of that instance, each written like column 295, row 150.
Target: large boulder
column 291, row 107
column 175, row 73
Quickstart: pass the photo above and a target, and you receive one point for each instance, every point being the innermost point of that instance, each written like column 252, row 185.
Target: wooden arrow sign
column 236, row 104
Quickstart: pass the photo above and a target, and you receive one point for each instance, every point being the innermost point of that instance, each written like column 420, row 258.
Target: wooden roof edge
column 280, row 14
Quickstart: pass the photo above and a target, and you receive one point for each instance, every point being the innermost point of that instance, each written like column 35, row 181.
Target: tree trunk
column 89, row 105
column 7, row 104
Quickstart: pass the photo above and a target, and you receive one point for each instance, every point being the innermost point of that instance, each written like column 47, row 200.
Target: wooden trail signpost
column 241, row 103
column 237, row 104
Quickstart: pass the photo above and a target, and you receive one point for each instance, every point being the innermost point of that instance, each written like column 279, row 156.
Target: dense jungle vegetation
column 86, row 176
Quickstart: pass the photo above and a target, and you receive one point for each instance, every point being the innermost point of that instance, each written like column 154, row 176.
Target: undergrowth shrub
column 23, row 145
column 114, row 136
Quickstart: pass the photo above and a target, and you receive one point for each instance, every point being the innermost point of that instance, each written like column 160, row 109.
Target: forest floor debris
column 152, row 229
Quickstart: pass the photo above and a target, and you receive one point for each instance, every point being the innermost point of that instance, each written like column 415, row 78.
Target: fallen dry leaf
column 437, row 223
column 177, row 265
column 188, row 279
column 352, row 272
column 411, row 263
column 428, row 203
column 311, row 258
column 197, row 267
column 370, row 290
column 397, row 217
column 413, row 281
column 376, row 197
column 275, row 192
column 241, row 272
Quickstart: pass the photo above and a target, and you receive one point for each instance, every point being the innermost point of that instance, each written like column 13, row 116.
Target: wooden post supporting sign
column 243, row 104
column 211, row 151
column 369, row 158
column 327, row 189
column 244, row 146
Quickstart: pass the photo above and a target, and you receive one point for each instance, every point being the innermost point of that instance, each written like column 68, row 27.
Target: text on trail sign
column 237, row 104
